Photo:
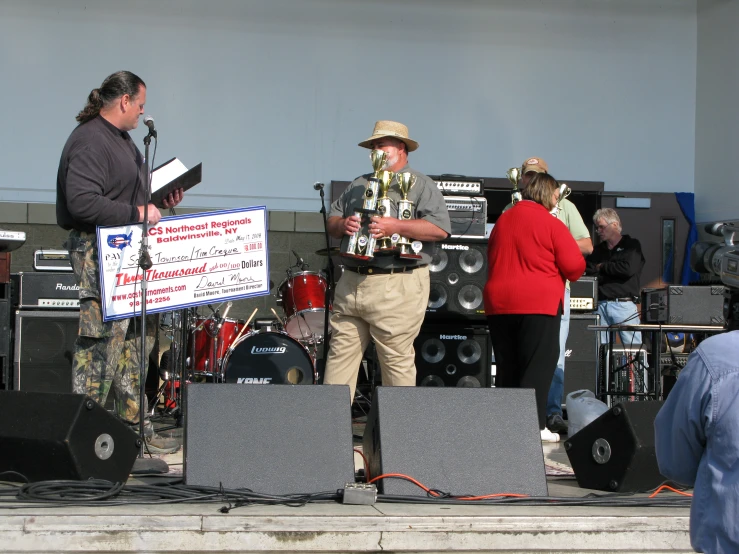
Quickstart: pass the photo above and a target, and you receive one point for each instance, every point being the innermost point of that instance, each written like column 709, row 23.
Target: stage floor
column 328, row 526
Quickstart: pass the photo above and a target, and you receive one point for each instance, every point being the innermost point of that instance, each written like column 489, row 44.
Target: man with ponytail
column 102, row 181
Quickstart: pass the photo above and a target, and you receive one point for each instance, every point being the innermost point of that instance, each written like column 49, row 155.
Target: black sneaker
column 556, row 424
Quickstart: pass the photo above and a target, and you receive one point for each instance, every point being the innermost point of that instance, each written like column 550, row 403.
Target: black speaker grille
column 458, row 273
column 453, row 356
column 581, row 355
column 44, row 346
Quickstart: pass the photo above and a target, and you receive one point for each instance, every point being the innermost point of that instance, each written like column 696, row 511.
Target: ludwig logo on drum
column 268, row 350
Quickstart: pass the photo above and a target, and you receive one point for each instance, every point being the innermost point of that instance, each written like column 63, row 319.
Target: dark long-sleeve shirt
column 100, row 178
column 620, row 269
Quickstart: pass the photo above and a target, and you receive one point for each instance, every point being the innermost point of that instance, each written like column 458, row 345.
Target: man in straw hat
column 384, row 298
column 570, row 216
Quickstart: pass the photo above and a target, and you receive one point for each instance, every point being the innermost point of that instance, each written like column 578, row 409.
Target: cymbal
column 331, row 251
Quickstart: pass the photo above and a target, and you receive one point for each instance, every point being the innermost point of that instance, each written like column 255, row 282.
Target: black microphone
column 299, row 263
column 318, row 186
column 149, row 122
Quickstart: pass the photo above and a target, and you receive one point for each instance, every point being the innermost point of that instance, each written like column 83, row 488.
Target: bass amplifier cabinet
column 584, row 294
column 44, row 345
column 458, row 272
column 45, row 290
column 684, row 305
column 453, row 356
column 581, row 355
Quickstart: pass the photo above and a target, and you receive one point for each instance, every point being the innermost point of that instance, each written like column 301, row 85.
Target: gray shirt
column 428, row 204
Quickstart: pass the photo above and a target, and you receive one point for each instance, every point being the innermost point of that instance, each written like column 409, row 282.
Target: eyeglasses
column 602, row 227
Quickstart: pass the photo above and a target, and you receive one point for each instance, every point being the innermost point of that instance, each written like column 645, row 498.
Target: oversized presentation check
column 197, row 259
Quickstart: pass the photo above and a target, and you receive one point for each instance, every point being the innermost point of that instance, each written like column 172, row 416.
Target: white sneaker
column 548, row 436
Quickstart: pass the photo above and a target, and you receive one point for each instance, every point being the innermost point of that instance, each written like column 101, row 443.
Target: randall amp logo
column 268, row 350
column 62, row 286
column 255, row 380
column 454, row 246
column 452, row 337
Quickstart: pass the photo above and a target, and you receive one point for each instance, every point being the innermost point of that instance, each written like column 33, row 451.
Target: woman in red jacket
column 530, row 254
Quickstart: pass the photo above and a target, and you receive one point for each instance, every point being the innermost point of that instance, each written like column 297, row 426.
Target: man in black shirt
column 618, row 262
column 101, row 181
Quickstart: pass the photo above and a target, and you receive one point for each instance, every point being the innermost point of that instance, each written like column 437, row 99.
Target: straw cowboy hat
column 391, row 129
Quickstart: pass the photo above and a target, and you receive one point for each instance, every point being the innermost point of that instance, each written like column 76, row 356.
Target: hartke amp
column 460, row 441
column 616, row 451
column 44, row 345
column 453, row 356
column 581, row 355
column 272, row 444
column 458, row 273
column 45, row 436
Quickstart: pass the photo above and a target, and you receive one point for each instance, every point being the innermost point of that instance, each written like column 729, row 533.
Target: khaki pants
column 388, row 308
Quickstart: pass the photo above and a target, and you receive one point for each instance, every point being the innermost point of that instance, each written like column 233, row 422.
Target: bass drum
column 269, row 358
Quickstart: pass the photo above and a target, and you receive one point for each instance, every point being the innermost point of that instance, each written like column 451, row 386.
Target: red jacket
column 530, row 254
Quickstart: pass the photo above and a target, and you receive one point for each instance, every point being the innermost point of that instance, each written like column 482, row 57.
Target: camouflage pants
column 106, row 354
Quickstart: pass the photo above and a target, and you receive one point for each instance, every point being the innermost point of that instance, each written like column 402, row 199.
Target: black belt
column 369, row 270
column 625, row 299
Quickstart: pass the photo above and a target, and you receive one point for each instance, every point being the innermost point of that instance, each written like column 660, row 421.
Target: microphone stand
column 329, row 287
column 142, row 464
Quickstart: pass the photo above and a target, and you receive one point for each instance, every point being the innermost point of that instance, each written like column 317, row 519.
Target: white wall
column 272, row 95
column 717, row 113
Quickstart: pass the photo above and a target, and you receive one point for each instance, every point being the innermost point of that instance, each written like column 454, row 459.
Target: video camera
column 721, row 260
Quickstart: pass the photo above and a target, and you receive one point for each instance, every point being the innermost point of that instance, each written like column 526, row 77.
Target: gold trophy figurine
column 514, row 176
column 361, row 244
column 564, row 192
column 406, row 248
column 384, row 204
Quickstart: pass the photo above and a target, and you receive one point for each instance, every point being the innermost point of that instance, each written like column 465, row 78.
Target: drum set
column 219, row 349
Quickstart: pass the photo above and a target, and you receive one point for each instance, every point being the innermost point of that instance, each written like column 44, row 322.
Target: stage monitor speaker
column 279, row 439
column 581, row 355
column 458, row 273
column 616, row 451
column 454, row 355
column 44, row 345
column 48, row 436
column 460, row 441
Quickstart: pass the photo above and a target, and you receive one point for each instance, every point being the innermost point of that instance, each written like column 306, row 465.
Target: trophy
column 405, row 211
column 564, row 192
column 514, row 176
column 385, row 244
column 361, row 244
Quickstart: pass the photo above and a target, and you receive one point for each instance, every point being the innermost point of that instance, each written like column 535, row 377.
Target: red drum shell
column 202, row 340
column 304, row 301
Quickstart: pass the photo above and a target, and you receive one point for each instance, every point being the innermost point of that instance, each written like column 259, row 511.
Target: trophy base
column 356, row 256
column 385, row 251
column 409, row 256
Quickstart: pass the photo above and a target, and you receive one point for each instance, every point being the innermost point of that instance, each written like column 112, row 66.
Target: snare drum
column 202, row 342
column 303, row 296
column 269, row 358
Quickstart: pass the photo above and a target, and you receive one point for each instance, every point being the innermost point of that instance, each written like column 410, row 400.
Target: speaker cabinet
column 581, row 355
column 46, row 436
column 460, row 441
column 453, row 356
column 268, row 439
column 616, row 451
column 458, row 273
column 44, row 346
